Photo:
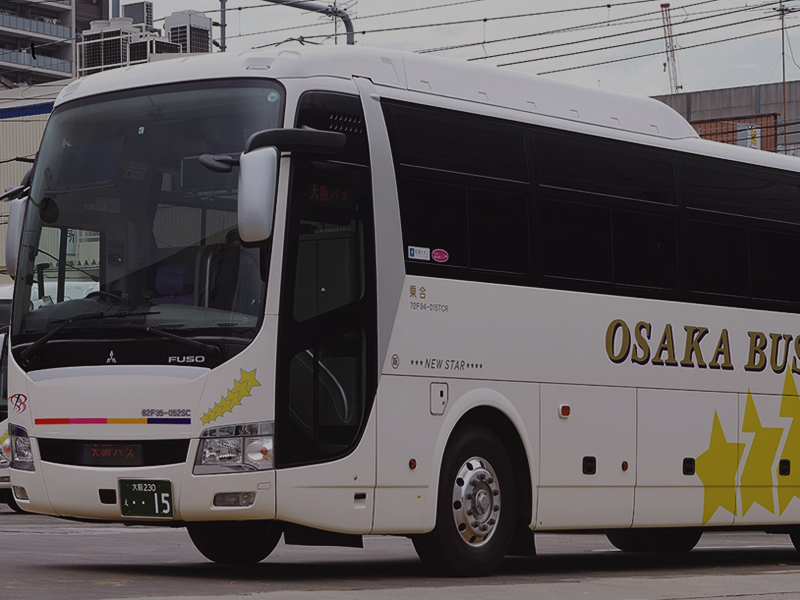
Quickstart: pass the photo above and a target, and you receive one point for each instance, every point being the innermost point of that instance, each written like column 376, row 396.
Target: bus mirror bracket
column 304, row 139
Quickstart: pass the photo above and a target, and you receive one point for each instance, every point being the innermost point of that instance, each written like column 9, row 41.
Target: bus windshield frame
column 123, row 221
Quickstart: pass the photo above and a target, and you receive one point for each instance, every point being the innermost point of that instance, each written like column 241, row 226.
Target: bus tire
column 794, row 535
column 13, row 505
column 663, row 540
column 235, row 542
column 475, row 507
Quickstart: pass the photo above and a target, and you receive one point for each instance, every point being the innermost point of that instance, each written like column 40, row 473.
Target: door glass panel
column 326, row 395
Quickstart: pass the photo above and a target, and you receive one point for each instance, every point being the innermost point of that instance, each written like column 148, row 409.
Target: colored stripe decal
column 149, row 421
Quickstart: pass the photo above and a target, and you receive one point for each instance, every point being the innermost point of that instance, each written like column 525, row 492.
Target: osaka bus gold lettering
column 756, row 355
column 625, row 346
column 693, row 337
column 641, row 349
column 779, row 366
column 777, row 351
column 795, row 365
column 668, row 346
column 723, row 351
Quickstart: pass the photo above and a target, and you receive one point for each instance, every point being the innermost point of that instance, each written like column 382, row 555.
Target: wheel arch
column 503, row 427
column 494, row 411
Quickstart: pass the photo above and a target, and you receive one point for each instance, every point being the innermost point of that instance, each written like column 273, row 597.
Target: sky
column 614, row 45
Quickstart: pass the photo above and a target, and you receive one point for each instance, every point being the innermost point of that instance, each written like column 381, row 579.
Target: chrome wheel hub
column 476, row 501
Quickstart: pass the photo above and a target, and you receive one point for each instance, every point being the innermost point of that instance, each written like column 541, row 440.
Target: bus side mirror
column 16, row 220
column 258, row 187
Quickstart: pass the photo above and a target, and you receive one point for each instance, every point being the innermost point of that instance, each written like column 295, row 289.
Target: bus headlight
column 21, row 449
column 230, row 448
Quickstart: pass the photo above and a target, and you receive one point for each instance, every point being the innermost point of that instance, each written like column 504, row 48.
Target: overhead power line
column 576, row 28
column 483, row 20
column 643, row 30
column 627, row 58
column 361, row 18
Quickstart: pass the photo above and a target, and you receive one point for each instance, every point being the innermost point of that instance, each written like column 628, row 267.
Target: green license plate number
column 145, row 498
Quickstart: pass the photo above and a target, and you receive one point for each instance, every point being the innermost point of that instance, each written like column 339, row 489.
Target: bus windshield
column 123, row 220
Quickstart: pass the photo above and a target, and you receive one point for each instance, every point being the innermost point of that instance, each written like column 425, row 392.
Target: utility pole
column 672, row 64
column 783, row 12
column 222, row 26
column 332, row 11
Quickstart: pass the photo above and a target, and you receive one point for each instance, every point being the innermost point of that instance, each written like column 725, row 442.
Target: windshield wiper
column 212, row 351
column 31, row 350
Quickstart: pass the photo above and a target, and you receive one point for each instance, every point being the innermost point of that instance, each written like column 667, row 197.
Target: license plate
column 145, row 498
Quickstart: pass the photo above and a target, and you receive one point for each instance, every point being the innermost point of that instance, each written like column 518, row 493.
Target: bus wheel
column 235, row 542
column 665, row 540
column 476, row 506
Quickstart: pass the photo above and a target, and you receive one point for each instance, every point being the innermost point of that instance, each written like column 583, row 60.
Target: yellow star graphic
column 248, row 378
column 757, row 475
column 789, row 485
column 241, row 389
column 212, row 415
column 716, row 468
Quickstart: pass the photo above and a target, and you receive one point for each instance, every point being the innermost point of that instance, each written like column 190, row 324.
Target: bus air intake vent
column 114, row 453
column 345, row 123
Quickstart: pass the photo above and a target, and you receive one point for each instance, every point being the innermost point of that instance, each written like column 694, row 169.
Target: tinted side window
column 741, row 193
column 575, row 240
column 458, row 144
column 465, row 226
column 645, row 250
column 718, row 259
column 771, row 279
column 498, row 231
column 588, row 165
column 434, row 217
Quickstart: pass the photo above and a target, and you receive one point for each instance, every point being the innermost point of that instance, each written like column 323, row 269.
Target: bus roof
column 413, row 72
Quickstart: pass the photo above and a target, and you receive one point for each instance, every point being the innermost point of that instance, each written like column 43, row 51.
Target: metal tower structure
column 672, row 64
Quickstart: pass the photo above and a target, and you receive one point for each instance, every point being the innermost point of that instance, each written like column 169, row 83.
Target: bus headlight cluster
column 246, row 447
column 21, row 449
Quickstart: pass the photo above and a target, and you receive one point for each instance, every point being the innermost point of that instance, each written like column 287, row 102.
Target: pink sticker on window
column 440, row 255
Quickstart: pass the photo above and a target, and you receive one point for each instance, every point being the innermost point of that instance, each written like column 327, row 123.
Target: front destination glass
column 128, row 237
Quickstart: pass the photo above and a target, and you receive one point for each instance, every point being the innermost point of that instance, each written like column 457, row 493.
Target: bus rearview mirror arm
column 305, row 139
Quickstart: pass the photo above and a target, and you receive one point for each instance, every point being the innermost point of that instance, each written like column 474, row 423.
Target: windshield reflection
column 124, row 219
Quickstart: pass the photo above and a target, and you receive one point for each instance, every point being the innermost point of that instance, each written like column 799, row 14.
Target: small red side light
column 564, row 411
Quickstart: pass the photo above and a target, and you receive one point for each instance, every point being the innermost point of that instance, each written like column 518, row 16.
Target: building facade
column 37, row 38
column 765, row 116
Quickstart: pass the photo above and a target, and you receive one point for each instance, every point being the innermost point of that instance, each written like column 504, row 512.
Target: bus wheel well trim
column 476, row 506
column 498, row 415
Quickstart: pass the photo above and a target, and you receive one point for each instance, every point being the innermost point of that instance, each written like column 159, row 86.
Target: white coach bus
column 349, row 291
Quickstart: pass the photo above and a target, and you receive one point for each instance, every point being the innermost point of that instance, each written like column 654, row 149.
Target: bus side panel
column 769, row 469
column 335, row 496
column 409, row 427
column 678, row 429
column 588, row 469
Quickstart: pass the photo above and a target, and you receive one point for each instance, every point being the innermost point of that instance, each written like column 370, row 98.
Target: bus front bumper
column 162, row 494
